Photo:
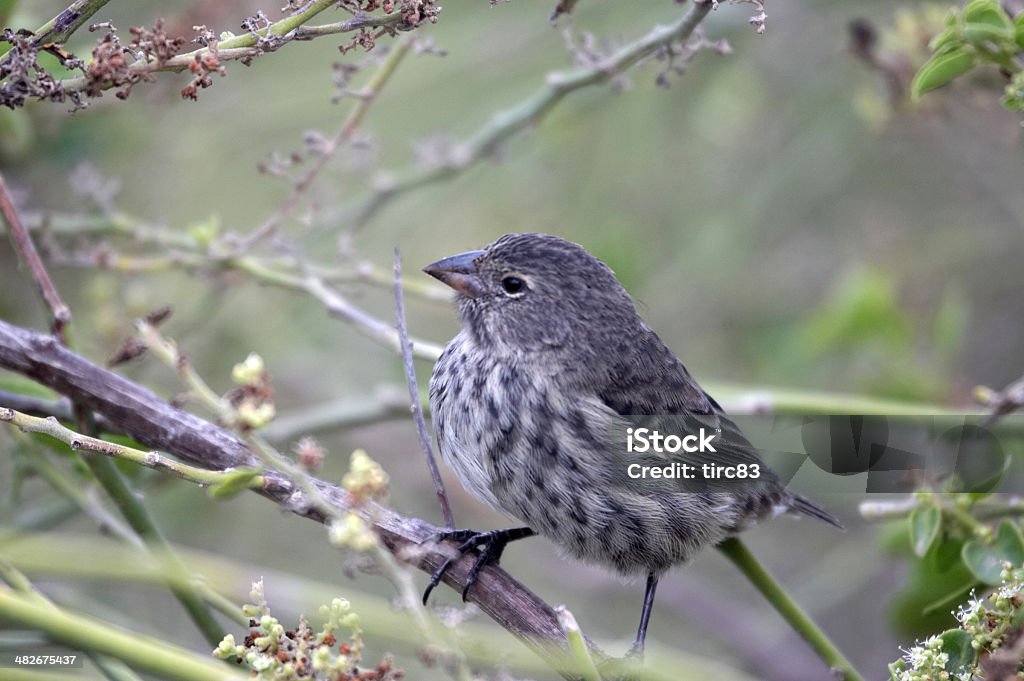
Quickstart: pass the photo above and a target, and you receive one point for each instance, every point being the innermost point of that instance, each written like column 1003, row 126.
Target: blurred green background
column 778, row 224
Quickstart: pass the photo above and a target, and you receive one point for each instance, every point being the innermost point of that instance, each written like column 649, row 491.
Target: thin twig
column 414, row 396
column 38, row 406
column 344, row 133
column 387, row 404
column 167, row 352
column 340, row 307
column 1006, row 401
column 991, row 507
column 528, row 113
column 60, row 28
column 158, row 462
column 60, row 313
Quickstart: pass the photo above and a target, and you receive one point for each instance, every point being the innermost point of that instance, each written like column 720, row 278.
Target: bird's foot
column 493, row 544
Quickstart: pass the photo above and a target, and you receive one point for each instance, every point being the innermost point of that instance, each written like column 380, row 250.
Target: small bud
column 249, row 372
column 366, row 478
column 351, row 532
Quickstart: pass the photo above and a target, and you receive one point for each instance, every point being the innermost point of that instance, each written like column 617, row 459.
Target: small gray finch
column 530, row 402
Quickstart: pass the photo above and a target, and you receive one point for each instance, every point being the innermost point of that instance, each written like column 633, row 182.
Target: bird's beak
column 459, row 272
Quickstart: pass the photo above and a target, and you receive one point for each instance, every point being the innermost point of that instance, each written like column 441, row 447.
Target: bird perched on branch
column 531, row 402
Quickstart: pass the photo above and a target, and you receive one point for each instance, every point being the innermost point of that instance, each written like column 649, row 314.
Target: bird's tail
column 801, row 505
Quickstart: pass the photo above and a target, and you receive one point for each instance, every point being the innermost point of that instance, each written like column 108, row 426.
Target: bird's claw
column 493, row 543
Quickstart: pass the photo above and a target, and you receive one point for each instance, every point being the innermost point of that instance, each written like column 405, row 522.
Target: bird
column 531, row 402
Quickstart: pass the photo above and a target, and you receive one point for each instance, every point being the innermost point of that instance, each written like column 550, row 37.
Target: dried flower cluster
column 272, row 652
column 23, row 78
column 111, row 65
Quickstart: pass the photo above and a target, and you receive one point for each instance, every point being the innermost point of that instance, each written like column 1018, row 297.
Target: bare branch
column 414, row 396
column 1006, row 401
column 60, row 313
column 505, row 124
column 345, row 132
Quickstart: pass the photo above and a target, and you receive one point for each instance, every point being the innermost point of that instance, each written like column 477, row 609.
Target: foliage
column 978, row 34
column 973, row 650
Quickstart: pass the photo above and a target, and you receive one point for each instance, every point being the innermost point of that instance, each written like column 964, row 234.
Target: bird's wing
column 649, row 387
column 650, row 381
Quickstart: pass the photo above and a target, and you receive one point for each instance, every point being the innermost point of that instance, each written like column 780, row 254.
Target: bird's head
column 533, row 292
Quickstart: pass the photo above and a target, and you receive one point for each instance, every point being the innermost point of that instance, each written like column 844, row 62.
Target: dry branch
column 157, row 424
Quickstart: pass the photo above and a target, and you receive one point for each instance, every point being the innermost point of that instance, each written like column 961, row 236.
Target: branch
column 60, row 313
column 153, row 422
column 158, row 656
column 414, row 397
column 60, row 28
column 78, row 442
column 388, row 404
column 367, row 96
column 248, row 46
column 505, row 124
column 992, row 507
column 1006, row 401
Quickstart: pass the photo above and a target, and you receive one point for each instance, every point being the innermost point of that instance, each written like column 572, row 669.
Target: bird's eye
column 513, row 285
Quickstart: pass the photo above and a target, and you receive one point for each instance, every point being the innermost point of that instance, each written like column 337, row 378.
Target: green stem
column 740, row 556
column 193, row 597
column 73, row 490
column 112, row 668
column 964, row 517
column 78, row 442
column 60, row 28
column 156, row 656
column 138, row 516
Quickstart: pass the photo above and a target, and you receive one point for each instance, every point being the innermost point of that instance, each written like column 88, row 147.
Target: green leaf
column 950, row 36
column 985, row 34
column 924, row 528
column 933, row 578
column 962, row 656
column 977, row 10
column 1019, row 30
column 1010, row 542
column 985, row 559
column 950, row 600
column 233, row 483
column 985, row 21
column 941, row 69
